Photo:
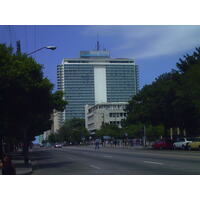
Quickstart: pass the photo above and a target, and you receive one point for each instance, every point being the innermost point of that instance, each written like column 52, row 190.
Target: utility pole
column 171, row 133
column 98, row 45
column 144, row 137
column 1, row 141
column 18, row 44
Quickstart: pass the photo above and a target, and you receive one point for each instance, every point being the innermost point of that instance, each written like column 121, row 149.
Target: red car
column 163, row 144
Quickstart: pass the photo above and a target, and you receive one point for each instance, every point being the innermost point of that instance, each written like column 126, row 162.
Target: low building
column 110, row 113
column 55, row 124
column 46, row 135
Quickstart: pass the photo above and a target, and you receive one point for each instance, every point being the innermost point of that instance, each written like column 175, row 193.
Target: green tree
column 172, row 100
column 73, row 131
column 26, row 97
column 154, row 132
column 134, row 130
column 154, row 103
column 52, row 139
column 110, row 130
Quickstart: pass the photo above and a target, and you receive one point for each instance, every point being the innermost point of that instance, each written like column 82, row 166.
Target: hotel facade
column 95, row 78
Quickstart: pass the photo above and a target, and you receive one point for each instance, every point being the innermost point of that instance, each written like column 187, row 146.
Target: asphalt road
column 111, row 161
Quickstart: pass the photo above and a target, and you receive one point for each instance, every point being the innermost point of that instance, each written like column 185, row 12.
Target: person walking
column 115, row 143
column 7, row 166
column 97, row 143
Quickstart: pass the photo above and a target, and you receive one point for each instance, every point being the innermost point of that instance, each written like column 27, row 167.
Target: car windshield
column 180, row 140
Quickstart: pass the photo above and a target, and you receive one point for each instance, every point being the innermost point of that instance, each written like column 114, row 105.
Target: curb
column 28, row 171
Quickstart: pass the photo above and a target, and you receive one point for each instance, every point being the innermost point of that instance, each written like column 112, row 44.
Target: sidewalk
column 108, row 146
column 18, row 162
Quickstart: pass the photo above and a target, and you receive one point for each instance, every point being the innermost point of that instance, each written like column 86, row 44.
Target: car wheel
column 183, row 147
column 174, row 147
column 189, row 148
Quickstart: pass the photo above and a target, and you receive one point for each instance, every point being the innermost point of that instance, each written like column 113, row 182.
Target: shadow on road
column 55, row 165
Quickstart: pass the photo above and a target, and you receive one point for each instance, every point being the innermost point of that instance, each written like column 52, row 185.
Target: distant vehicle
column 163, row 144
column 194, row 144
column 58, row 146
column 181, row 143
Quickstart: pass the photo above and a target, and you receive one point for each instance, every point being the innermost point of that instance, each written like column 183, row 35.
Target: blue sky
column 155, row 49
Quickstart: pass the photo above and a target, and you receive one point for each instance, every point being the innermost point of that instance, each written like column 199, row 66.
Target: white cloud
column 150, row 41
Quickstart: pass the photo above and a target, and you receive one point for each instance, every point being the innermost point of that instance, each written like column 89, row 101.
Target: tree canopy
column 172, row 100
column 73, row 131
column 26, row 96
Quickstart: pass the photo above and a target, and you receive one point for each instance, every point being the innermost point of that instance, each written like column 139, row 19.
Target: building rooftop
column 95, row 60
column 95, row 54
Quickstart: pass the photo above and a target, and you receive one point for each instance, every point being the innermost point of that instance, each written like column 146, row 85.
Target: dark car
column 163, row 144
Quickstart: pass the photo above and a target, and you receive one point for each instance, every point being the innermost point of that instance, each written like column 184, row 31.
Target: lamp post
column 46, row 47
column 144, row 137
column 144, row 132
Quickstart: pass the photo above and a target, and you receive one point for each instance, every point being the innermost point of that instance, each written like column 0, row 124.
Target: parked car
column 194, row 144
column 58, row 146
column 163, row 144
column 181, row 143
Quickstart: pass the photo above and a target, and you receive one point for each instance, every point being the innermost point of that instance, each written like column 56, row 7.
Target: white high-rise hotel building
column 95, row 78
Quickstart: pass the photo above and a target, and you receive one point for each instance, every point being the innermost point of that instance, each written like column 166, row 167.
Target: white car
column 181, row 143
column 58, row 146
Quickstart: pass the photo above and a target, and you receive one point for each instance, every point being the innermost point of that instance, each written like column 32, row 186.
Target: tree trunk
column 26, row 149
column 1, row 148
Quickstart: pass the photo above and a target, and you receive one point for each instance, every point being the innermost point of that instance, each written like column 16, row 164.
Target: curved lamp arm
column 47, row 47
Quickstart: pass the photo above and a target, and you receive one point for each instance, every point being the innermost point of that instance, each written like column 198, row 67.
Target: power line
column 35, row 38
column 26, row 38
column 14, row 34
column 10, row 34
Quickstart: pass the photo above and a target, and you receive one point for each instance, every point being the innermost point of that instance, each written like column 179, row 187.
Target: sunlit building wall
column 95, row 78
column 107, row 113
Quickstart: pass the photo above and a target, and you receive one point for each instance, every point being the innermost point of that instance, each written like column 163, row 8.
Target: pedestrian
column 97, row 143
column 111, row 143
column 7, row 166
column 102, row 142
column 115, row 143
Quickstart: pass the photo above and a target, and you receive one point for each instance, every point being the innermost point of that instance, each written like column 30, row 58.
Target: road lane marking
column 157, row 163
column 107, row 156
column 93, row 166
column 167, row 154
column 70, row 158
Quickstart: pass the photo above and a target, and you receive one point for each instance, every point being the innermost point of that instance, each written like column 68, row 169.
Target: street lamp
column 144, row 136
column 46, row 47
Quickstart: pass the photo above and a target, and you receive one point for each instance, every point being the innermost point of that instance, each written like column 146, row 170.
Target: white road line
column 70, row 158
column 107, row 156
column 157, row 163
column 93, row 166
